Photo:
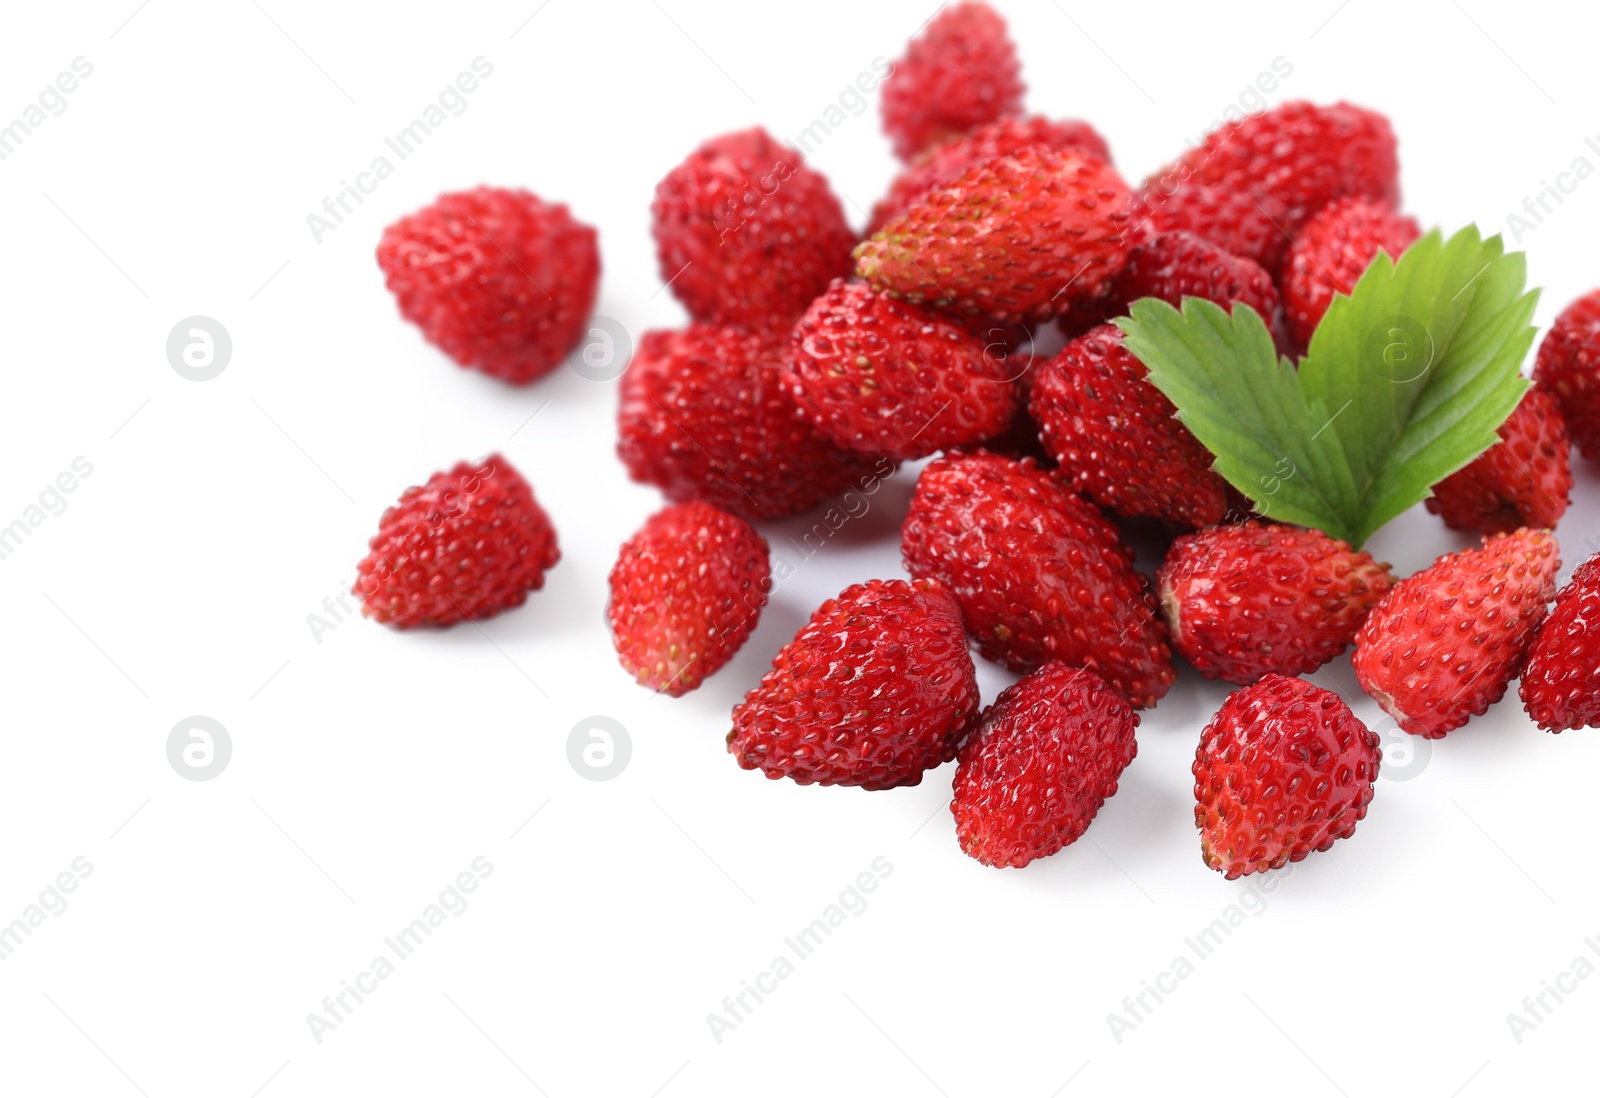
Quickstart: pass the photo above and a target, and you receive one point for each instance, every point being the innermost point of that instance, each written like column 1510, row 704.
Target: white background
column 371, row 768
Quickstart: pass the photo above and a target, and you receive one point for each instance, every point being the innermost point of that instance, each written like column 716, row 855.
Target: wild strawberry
column 1525, row 479
column 704, row 417
column 685, row 595
column 888, row 377
column 1247, row 226
column 1331, row 252
column 1015, row 238
column 877, row 688
column 746, row 233
column 497, row 279
column 1568, row 368
column 944, row 163
column 1043, row 759
column 1561, row 685
column 1256, row 599
column 960, row 72
column 1445, row 643
column 1116, row 438
column 1303, row 155
column 463, row 547
column 1283, row 769
column 1173, row 266
column 1039, row 573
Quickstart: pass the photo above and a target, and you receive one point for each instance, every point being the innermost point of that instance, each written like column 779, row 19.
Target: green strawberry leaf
column 1407, row 379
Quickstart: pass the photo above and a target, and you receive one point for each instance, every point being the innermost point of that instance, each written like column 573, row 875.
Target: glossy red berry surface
column 1561, row 685
column 887, row 377
column 1039, row 573
column 959, row 72
column 945, row 162
column 746, row 234
column 1447, row 641
column 1043, row 760
column 1173, row 266
column 686, row 593
column 704, row 416
column 1283, row 770
column 1331, row 252
column 1115, row 437
column 1525, row 479
column 1299, row 154
column 1020, row 237
column 1568, row 368
column 874, row 690
column 465, row 546
column 499, row 280
column 1257, row 598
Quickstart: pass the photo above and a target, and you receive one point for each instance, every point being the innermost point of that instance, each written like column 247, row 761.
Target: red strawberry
column 1039, row 573
column 1173, row 266
column 1525, row 479
column 685, row 594
column 888, row 377
column 944, row 164
column 1238, row 223
column 1331, row 252
column 496, row 279
column 470, row 543
column 1283, row 769
column 704, row 416
column 1568, row 368
column 1561, row 684
column 960, row 72
column 877, row 688
column 746, row 233
column 1256, row 599
column 1116, row 438
column 1447, row 641
column 1015, row 238
column 1044, row 758
column 1303, row 155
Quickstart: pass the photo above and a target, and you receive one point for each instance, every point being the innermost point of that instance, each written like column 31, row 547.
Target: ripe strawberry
column 1015, row 238
column 704, row 417
column 1283, row 769
column 943, row 164
column 1116, row 438
column 877, row 688
column 467, row 545
column 1561, row 684
column 1043, row 759
column 1303, row 155
column 1331, row 252
column 888, row 377
column 685, row 595
column 1568, row 368
column 497, row 279
column 1242, row 225
column 747, row 234
column 1256, row 599
column 1039, row 573
column 959, row 73
column 1525, row 479
column 1446, row 642
column 1173, row 266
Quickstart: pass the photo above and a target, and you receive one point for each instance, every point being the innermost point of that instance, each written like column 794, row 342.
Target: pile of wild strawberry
column 975, row 322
